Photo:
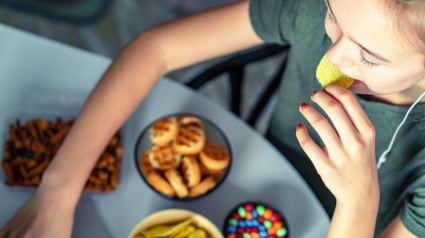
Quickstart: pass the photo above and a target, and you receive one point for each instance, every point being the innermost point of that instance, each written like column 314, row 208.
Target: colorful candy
column 251, row 220
column 241, row 212
column 260, row 210
column 282, row 232
column 267, row 223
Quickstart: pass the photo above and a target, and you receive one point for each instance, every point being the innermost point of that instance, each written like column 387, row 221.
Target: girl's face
column 366, row 47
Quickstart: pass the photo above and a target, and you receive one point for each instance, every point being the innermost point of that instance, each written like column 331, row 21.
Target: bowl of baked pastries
column 175, row 223
column 183, row 156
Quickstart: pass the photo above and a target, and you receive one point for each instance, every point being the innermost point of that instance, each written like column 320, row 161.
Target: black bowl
column 255, row 217
column 213, row 134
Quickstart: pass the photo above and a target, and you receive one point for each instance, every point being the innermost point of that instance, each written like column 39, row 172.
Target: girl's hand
column 347, row 163
column 48, row 213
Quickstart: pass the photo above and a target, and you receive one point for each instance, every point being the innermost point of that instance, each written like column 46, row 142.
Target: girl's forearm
column 115, row 97
column 350, row 220
column 159, row 50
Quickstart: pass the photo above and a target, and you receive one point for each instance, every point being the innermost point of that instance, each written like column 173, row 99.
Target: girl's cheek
column 380, row 82
column 333, row 31
column 329, row 32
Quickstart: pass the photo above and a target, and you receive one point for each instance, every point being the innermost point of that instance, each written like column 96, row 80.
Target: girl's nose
column 340, row 53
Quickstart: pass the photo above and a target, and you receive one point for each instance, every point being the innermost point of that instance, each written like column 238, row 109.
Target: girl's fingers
column 322, row 127
column 317, row 156
column 337, row 114
column 351, row 106
column 325, row 150
column 4, row 231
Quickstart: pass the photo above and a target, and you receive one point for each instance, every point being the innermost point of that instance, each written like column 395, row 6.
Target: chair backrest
column 235, row 67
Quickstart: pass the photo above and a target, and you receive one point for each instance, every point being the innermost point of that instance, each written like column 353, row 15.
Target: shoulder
column 288, row 20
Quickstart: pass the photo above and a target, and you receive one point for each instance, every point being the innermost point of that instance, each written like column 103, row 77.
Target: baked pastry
column 163, row 130
column 203, row 187
column 190, row 170
column 214, row 156
column 164, row 157
column 189, row 140
column 327, row 73
column 159, row 183
column 145, row 164
column 215, row 173
column 190, row 121
column 175, row 179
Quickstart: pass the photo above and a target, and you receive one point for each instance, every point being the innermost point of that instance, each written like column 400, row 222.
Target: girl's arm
column 397, row 229
column 176, row 44
column 347, row 163
column 153, row 53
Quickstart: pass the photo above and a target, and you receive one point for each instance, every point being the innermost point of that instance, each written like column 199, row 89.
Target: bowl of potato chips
column 175, row 223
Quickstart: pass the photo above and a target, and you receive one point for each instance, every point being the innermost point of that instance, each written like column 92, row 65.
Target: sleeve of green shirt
column 286, row 21
column 267, row 17
column 412, row 214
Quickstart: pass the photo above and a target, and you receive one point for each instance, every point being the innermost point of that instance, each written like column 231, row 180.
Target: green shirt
column 300, row 24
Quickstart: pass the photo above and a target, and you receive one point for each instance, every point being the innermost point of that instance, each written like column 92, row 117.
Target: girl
column 380, row 43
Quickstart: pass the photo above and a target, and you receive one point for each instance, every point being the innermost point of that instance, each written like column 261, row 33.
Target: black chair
column 235, row 67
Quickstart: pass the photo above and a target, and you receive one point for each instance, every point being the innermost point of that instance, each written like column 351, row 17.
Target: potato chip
column 185, row 232
column 327, row 73
column 198, row 233
column 164, row 231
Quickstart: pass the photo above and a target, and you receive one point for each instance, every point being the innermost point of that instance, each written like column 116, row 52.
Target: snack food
column 164, row 157
column 159, row 183
column 191, row 171
column 327, row 73
column 214, row 156
column 184, row 229
column 215, row 173
column 255, row 220
column 176, row 181
column 163, row 130
column 172, row 217
column 145, row 165
column 189, row 140
column 179, row 162
column 190, row 121
column 202, row 187
column 30, row 148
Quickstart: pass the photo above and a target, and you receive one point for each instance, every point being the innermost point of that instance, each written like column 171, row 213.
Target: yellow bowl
column 172, row 216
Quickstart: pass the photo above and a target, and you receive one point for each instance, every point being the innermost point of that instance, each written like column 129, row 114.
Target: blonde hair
column 410, row 21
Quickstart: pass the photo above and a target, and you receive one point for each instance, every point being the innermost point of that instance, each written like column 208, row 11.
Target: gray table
column 40, row 77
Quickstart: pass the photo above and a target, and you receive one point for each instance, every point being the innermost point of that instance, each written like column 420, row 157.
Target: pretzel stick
column 60, row 135
column 39, row 169
column 9, row 173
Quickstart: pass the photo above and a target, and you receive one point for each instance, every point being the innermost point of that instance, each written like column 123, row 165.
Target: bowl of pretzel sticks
column 183, row 156
column 32, row 142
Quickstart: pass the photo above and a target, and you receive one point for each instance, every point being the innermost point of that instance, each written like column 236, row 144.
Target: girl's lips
column 359, row 87
column 355, row 85
column 356, row 82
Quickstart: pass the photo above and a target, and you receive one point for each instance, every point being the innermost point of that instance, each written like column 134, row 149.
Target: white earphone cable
column 383, row 157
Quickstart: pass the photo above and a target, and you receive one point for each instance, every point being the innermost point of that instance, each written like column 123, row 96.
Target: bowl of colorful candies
column 255, row 220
